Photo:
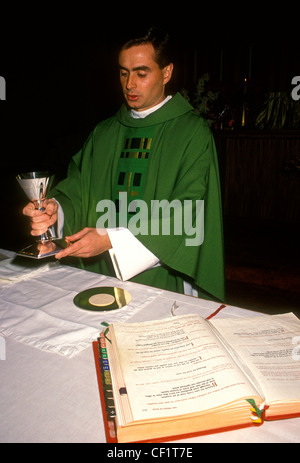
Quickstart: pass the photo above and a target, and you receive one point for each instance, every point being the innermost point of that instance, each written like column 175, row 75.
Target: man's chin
column 134, row 103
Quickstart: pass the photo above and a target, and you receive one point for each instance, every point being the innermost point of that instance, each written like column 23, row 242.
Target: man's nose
column 131, row 82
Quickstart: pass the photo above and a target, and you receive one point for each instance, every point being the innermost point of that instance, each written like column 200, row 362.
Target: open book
column 185, row 376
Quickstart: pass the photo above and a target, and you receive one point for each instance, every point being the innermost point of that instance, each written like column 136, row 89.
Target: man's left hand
column 88, row 242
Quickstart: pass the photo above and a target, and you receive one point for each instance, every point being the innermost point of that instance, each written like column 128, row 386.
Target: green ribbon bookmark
column 256, row 410
column 106, row 331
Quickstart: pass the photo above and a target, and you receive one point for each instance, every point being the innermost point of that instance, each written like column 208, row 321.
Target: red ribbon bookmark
column 216, row 311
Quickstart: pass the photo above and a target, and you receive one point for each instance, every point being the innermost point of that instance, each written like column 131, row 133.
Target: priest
column 154, row 166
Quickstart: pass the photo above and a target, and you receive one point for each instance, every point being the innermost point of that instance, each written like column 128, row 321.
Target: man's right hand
column 41, row 221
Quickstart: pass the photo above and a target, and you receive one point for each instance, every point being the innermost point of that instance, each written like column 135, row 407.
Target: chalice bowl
column 35, row 186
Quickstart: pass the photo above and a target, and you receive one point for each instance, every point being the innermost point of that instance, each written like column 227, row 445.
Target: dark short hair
column 160, row 41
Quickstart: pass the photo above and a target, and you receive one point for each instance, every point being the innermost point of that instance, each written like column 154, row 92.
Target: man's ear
column 168, row 70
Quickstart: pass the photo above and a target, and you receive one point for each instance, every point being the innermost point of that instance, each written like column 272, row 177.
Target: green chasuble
column 167, row 156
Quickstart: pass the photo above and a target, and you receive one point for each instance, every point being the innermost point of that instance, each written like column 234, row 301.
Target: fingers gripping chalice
column 35, row 186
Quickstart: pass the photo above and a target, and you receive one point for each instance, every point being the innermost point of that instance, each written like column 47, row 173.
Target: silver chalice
column 35, row 186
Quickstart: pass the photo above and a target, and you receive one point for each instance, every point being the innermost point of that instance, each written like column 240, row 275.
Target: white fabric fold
column 11, row 272
column 50, row 333
column 39, row 310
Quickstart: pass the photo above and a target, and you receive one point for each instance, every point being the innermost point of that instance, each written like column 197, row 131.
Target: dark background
column 62, row 79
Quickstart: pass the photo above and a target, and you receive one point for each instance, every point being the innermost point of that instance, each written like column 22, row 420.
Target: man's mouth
column 131, row 97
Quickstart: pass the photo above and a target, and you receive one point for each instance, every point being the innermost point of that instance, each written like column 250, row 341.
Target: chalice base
column 40, row 249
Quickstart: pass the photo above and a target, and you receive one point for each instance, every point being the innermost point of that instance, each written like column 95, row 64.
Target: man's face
column 142, row 80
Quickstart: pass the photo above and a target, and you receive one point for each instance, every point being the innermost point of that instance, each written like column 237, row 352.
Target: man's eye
column 142, row 75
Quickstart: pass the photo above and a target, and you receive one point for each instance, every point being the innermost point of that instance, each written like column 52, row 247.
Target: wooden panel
column 255, row 178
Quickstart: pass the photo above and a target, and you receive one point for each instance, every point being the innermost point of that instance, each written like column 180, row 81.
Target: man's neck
column 142, row 114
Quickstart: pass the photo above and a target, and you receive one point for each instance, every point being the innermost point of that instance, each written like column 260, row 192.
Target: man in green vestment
column 155, row 163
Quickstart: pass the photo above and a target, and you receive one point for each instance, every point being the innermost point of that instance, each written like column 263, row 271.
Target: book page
column 268, row 346
column 177, row 366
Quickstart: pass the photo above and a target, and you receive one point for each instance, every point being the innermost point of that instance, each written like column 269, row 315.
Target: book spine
column 106, row 378
column 105, row 389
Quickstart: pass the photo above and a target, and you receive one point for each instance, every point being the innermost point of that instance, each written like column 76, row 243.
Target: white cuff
column 129, row 256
